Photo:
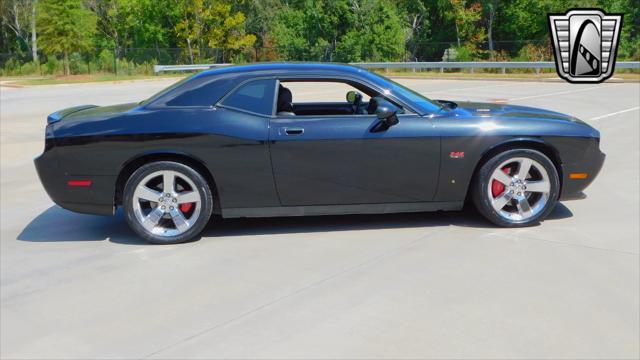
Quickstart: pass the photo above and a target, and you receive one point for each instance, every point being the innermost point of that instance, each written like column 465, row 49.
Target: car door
column 338, row 159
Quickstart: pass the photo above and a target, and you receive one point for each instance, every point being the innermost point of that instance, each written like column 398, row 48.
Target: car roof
column 284, row 67
column 225, row 78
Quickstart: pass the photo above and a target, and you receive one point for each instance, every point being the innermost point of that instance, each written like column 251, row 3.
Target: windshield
column 424, row 104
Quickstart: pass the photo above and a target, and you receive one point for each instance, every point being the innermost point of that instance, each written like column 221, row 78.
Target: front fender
column 456, row 173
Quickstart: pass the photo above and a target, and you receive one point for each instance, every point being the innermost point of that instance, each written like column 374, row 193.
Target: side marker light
column 79, row 182
column 575, row 176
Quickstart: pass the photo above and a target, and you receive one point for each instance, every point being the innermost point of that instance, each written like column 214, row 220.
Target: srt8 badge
column 585, row 42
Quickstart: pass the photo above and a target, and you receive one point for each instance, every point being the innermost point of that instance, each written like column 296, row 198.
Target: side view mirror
column 354, row 97
column 351, row 96
column 386, row 113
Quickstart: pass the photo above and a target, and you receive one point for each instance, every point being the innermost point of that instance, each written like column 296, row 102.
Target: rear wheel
column 516, row 188
column 167, row 202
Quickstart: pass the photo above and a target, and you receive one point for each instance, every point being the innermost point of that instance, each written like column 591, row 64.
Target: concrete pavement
column 426, row 285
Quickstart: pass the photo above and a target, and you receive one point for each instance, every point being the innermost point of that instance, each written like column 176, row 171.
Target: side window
column 200, row 93
column 255, row 96
column 321, row 91
column 317, row 97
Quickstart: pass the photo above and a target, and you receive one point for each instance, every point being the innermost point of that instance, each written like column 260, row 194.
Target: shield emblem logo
column 585, row 43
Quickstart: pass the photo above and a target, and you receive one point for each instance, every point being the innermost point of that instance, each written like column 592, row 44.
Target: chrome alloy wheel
column 519, row 189
column 166, row 203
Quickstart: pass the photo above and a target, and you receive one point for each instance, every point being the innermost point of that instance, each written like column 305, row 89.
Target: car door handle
column 293, row 131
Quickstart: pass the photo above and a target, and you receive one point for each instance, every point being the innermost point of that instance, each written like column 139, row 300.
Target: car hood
column 506, row 111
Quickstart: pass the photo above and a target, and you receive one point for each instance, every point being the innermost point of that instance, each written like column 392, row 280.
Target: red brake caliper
column 186, row 207
column 497, row 187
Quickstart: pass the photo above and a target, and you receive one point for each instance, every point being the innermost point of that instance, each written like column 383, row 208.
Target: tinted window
column 255, row 96
column 167, row 90
column 200, row 94
column 195, row 90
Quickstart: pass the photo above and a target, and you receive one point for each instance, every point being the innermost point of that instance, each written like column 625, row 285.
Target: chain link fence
column 140, row 61
column 123, row 61
column 522, row 50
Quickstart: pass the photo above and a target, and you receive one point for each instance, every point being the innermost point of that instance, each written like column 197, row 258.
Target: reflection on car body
column 234, row 141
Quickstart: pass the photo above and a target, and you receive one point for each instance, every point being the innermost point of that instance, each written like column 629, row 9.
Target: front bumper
column 591, row 163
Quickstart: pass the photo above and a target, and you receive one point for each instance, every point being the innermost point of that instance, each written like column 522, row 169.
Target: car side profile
column 237, row 141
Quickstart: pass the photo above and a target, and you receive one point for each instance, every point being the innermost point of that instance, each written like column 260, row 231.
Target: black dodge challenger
column 234, row 141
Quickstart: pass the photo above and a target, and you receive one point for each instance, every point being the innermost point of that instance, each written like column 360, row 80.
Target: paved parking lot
column 427, row 285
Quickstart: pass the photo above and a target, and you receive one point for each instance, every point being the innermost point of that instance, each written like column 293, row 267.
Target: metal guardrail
column 537, row 65
column 459, row 65
column 161, row 68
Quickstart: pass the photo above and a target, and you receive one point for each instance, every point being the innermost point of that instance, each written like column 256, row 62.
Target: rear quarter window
column 200, row 93
column 255, row 96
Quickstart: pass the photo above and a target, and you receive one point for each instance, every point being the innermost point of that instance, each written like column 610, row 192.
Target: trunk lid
column 89, row 111
column 61, row 114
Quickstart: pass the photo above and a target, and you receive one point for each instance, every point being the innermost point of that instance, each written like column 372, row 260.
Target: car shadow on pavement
column 56, row 224
column 468, row 217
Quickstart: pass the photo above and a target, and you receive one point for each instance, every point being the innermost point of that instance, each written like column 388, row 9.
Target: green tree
column 149, row 24
column 215, row 23
column 489, row 9
column 193, row 18
column 111, row 23
column 466, row 15
column 415, row 25
column 289, row 31
column 260, row 19
column 65, row 26
column 324, row 30
column 226, row 29
column 342, row 30
column 629, row 48
column 18, row 16
column 518, row 22
column 375, row 33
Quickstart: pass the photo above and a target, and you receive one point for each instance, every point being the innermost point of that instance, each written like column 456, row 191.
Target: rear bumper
column 97, row 199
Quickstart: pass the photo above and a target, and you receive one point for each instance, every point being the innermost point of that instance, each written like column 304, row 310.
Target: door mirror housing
column 354, row 97
column 351, row 96
column 386, row 113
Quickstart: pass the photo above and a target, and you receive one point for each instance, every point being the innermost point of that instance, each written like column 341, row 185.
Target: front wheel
column 167, row 202
column 516, row 188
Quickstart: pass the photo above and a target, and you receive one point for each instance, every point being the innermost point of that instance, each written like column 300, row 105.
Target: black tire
column 481, row 197
column 206, row 201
